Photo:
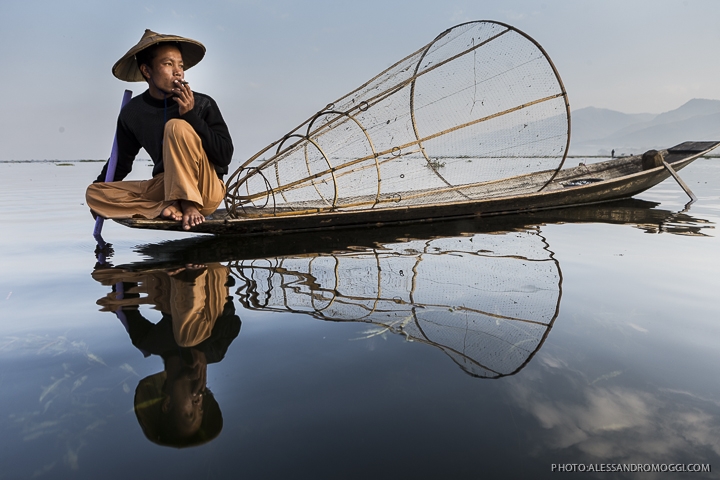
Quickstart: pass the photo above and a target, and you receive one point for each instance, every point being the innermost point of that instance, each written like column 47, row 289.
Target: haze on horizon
column 271, row 64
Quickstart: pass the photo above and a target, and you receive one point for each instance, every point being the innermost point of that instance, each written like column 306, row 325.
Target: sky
column 271, row 64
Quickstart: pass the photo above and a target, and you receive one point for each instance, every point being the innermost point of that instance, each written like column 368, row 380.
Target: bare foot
column 191, row 216
column 172, row 212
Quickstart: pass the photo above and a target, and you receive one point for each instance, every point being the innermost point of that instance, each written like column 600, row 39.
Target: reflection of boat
column 450, row 284
column 203, row 249
column 586, row 184
column 475, row 297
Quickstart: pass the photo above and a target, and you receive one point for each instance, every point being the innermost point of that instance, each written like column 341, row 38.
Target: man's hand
column 183, row 96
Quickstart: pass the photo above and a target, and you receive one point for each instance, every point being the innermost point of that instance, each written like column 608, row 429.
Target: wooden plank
column 693, row 147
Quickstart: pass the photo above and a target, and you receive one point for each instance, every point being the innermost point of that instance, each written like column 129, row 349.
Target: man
column 182, row 131
column 175, row 407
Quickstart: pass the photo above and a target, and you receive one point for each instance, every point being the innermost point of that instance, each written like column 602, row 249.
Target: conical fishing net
column 473, row 297
column 478, row 105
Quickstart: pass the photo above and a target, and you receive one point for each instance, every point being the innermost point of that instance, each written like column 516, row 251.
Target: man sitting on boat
column 182, row 131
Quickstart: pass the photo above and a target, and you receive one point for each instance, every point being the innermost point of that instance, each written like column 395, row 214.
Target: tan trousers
column 194, row 305
column 188, row 175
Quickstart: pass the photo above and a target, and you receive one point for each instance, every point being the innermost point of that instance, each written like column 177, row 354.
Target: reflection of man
column 198, row 323
column 182, row 131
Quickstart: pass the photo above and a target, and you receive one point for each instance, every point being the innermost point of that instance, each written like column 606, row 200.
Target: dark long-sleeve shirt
column 142, row 122
column 158, row 339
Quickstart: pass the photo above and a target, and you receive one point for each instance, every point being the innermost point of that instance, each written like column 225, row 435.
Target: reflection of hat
column 127, row 68
column 148, row 409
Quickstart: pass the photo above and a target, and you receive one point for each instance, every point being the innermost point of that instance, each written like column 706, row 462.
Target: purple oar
column 110, row 174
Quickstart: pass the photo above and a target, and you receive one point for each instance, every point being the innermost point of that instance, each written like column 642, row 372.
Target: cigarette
column 183, row 82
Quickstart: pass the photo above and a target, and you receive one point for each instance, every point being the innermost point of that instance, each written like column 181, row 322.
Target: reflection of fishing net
column 480, row 103
column 487, row 308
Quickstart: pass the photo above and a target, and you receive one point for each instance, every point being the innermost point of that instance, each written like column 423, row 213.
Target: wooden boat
column 606, row 181
column 199, row 249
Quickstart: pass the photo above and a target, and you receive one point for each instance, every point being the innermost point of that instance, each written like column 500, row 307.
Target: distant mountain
column 696, row 106
column 591, row 123
column 597, row 131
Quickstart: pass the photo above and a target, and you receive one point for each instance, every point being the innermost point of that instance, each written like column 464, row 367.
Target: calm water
column 479, row 348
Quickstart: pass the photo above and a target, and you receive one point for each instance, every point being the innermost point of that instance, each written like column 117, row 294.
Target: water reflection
column 486, row 292
column 488, row 299
column 198, row 323
column 616, row 420
column 487, row 307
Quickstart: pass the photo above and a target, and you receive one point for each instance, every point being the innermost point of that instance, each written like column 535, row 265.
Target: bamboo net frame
column 481, row 103
column 473, row 297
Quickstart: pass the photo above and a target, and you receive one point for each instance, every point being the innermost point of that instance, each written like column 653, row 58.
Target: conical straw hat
column 148, row 410
column 127, row 68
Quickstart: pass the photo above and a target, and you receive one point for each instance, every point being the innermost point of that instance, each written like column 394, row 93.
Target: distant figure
column 612, row 154
column 182, row 131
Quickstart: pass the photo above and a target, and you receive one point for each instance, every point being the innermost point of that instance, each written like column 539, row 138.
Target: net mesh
column 480, row 103
column 473, row 297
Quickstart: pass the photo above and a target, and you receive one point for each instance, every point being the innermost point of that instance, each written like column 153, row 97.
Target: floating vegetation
column 67, row 400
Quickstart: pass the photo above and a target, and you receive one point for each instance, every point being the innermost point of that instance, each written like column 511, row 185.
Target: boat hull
column 613, row 180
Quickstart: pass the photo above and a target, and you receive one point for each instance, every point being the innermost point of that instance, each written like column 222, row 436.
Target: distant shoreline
column 143, row 159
